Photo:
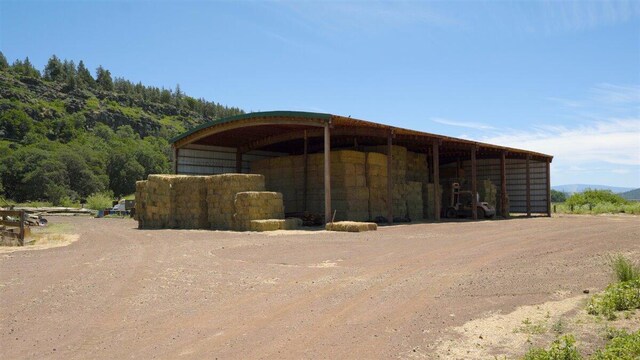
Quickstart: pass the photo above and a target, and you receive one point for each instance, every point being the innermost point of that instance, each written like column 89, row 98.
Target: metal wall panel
column 516, row 181
column 208, row 160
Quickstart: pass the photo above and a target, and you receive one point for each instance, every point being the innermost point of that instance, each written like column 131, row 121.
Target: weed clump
column 624, row 269
column 623, row 346
column 563, row 348
column 621, row 295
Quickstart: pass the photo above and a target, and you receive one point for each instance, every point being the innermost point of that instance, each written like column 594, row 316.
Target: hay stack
column 159, row 203
column 190, row 202
column 256, row 205
column 415, row 210
column 349, row 192
column 141, row 203
column 376, row 175
column 417, row 167
column 351, row 226
column 221, row 193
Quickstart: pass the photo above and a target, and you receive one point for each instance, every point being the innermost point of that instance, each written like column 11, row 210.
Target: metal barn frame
column 230, row 144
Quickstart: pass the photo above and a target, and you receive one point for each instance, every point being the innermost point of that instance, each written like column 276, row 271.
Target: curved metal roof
column 259, row 129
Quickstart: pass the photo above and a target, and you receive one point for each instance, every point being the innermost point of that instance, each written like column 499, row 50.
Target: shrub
column 623, row 346
column 595, row 197
column 616, row 297
column 100, row 201
column 562, row 348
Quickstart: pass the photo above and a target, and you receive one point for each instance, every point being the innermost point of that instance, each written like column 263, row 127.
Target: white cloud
column 616, row 94
column 471, row 125
column 615, row 141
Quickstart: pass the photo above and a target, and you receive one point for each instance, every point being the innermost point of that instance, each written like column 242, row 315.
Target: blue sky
column 556, row 77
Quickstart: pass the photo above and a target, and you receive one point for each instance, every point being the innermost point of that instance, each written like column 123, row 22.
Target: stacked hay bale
column 284, row 174
column 141, row 203
column 190, row 202
column 399, row 177
column 349, row 192
column 415, row 210
column 417, row 167
column 376, row 177
column 221, row 192
column 256, row 205
column 159, row 202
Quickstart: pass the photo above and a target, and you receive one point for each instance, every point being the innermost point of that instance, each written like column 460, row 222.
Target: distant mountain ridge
column 631, row 195
column 575, row 188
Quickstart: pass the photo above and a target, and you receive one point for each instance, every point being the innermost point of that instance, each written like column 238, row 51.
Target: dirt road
column 119, row 292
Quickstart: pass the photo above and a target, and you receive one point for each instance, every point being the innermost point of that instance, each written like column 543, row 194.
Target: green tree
column 54, row 70
column 3, row 62
column 103, row 79
column 123, row 171
column 25, row 68
column 558, row 196
column 85, row 80
column 15, row 124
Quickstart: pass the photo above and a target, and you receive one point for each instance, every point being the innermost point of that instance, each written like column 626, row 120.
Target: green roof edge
column 298, row 114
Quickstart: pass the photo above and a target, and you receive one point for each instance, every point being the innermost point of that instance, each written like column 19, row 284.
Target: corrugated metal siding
column 517, row 185
column 516, row 182
column 209, row 160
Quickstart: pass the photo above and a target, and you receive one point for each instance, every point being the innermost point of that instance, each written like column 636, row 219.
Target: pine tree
column 3, row 62
column 25, row 68
column 103, row 79
column 85, row 80
column 54, row 70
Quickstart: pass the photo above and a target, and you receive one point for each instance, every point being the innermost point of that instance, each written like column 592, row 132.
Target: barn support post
column 528, row 170
column 174, row 164
column 548, row 187
column 436, row 180
column 305, row 159
column 474, row 184
column 327, row 173
column 390, row 178
column 503, row 185
column 22, row 218
column 238, row 161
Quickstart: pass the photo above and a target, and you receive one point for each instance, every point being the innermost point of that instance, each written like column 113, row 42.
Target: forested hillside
column 65, row 134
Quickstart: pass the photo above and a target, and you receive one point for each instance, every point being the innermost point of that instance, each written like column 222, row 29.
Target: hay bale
column 417, row 167
column 351, row 226
column 415, row 210
column 256, row 205
column 265, row 225
column 275, row 224
column 141, row 204
column 190, row 202
column 221, row 192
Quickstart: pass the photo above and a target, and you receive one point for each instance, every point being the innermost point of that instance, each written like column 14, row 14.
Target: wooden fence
column 8, row 227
